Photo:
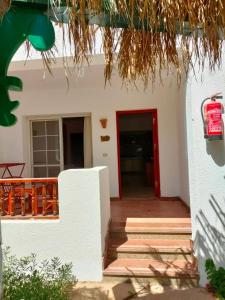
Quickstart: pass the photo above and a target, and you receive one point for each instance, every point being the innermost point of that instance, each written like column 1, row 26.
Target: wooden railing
column 29, row 197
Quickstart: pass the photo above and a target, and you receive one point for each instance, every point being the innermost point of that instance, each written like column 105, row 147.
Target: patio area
column 151, row 207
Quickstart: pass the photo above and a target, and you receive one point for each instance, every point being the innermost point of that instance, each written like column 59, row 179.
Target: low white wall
column 79, row 234
column 207, row 172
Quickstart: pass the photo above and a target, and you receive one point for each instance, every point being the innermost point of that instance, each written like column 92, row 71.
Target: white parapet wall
column 78, row 236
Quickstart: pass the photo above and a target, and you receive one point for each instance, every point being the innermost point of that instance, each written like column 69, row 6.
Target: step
column 151, row 227
column 152, row 249
column 151, row 268
column 153, row 220
column 150, row 233
column 171, row 282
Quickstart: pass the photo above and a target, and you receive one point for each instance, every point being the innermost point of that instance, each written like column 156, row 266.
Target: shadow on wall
column 217, row 151
column 209, row 241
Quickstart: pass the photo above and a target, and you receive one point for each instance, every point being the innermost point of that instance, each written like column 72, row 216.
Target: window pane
column 52, row 142
column 39, row 158
column 53, row 171
column 40, row 172
column 53, row 157
column 38, row 128
column 39, row 143
column 45, row 148
column 52, row 127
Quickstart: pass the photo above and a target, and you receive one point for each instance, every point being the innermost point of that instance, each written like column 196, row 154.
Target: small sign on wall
column 105, row 138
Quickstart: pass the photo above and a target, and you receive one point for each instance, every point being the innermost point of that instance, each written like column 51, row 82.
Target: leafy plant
column 216, row 278
column 25, row 279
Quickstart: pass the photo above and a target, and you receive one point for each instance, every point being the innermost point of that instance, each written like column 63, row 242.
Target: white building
column 153, row 145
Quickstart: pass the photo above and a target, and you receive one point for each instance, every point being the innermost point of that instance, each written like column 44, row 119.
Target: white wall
column 207, row 172
column 79, row 234
column 182, row 145
column 88, row 95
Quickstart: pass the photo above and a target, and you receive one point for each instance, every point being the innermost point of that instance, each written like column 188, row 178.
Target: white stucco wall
column 79, row 234
column 88, row 95
column 182, row 136
column 207, row 172
column 105, row 210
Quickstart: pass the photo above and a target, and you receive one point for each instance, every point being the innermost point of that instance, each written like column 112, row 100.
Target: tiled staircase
column 153, row 250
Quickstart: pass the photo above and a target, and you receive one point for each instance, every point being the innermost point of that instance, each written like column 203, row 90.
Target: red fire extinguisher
column 212, row 118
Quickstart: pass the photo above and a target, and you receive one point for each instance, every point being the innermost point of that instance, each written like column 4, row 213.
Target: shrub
column 25, row 279
column 216, row 278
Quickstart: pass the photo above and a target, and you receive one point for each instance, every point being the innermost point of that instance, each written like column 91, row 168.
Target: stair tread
column 152, row 220
column 153, row 228
column 150, row 267
column 152, row 225
column 151, row 245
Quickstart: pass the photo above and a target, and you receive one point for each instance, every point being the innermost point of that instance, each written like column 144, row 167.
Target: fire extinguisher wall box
column 213, row 122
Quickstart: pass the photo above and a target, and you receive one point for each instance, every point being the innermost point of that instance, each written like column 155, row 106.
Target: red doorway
column 138, row 152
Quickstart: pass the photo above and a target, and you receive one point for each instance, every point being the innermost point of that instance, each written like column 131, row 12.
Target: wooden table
column 8, row 170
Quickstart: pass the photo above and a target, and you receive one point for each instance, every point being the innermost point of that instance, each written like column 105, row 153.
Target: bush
column 25, row 279
column 216, row 278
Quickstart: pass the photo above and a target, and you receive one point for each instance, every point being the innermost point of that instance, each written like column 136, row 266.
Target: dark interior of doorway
column 136, row 154
column 73, row 142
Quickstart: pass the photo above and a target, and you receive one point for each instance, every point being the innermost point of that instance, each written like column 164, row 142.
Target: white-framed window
column 45, row 145
column 58, row 143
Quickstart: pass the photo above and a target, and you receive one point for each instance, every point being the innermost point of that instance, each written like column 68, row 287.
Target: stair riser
column 175, row 283
column 157, row 256
column 129, row 235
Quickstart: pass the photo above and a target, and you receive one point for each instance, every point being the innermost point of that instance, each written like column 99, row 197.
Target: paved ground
column 124, row 291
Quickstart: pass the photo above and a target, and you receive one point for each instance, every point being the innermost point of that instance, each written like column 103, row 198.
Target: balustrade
column 29, row 197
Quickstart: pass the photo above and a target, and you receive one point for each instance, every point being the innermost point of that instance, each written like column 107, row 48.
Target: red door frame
column 155, row 147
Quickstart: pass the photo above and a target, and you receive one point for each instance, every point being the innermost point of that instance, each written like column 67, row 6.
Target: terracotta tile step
column 151, row 268
column 162, row 235
column 163, row 282
column 152, row 227
column 151, row 245
column 153, row 220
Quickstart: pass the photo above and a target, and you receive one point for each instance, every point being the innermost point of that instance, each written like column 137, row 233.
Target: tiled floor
column 151, row 207
column 141, row 188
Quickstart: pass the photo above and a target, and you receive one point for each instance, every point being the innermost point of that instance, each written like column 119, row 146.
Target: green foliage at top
column 18, row 25
column 25, row 279
column 216, row 278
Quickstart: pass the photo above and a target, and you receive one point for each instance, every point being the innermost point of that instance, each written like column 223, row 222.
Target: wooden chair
column 45, row 198
column 4, row 199
column 14, row 199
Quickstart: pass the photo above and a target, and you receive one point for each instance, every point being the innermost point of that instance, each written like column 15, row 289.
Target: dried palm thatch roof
column 4, row 7
column 146, row 35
